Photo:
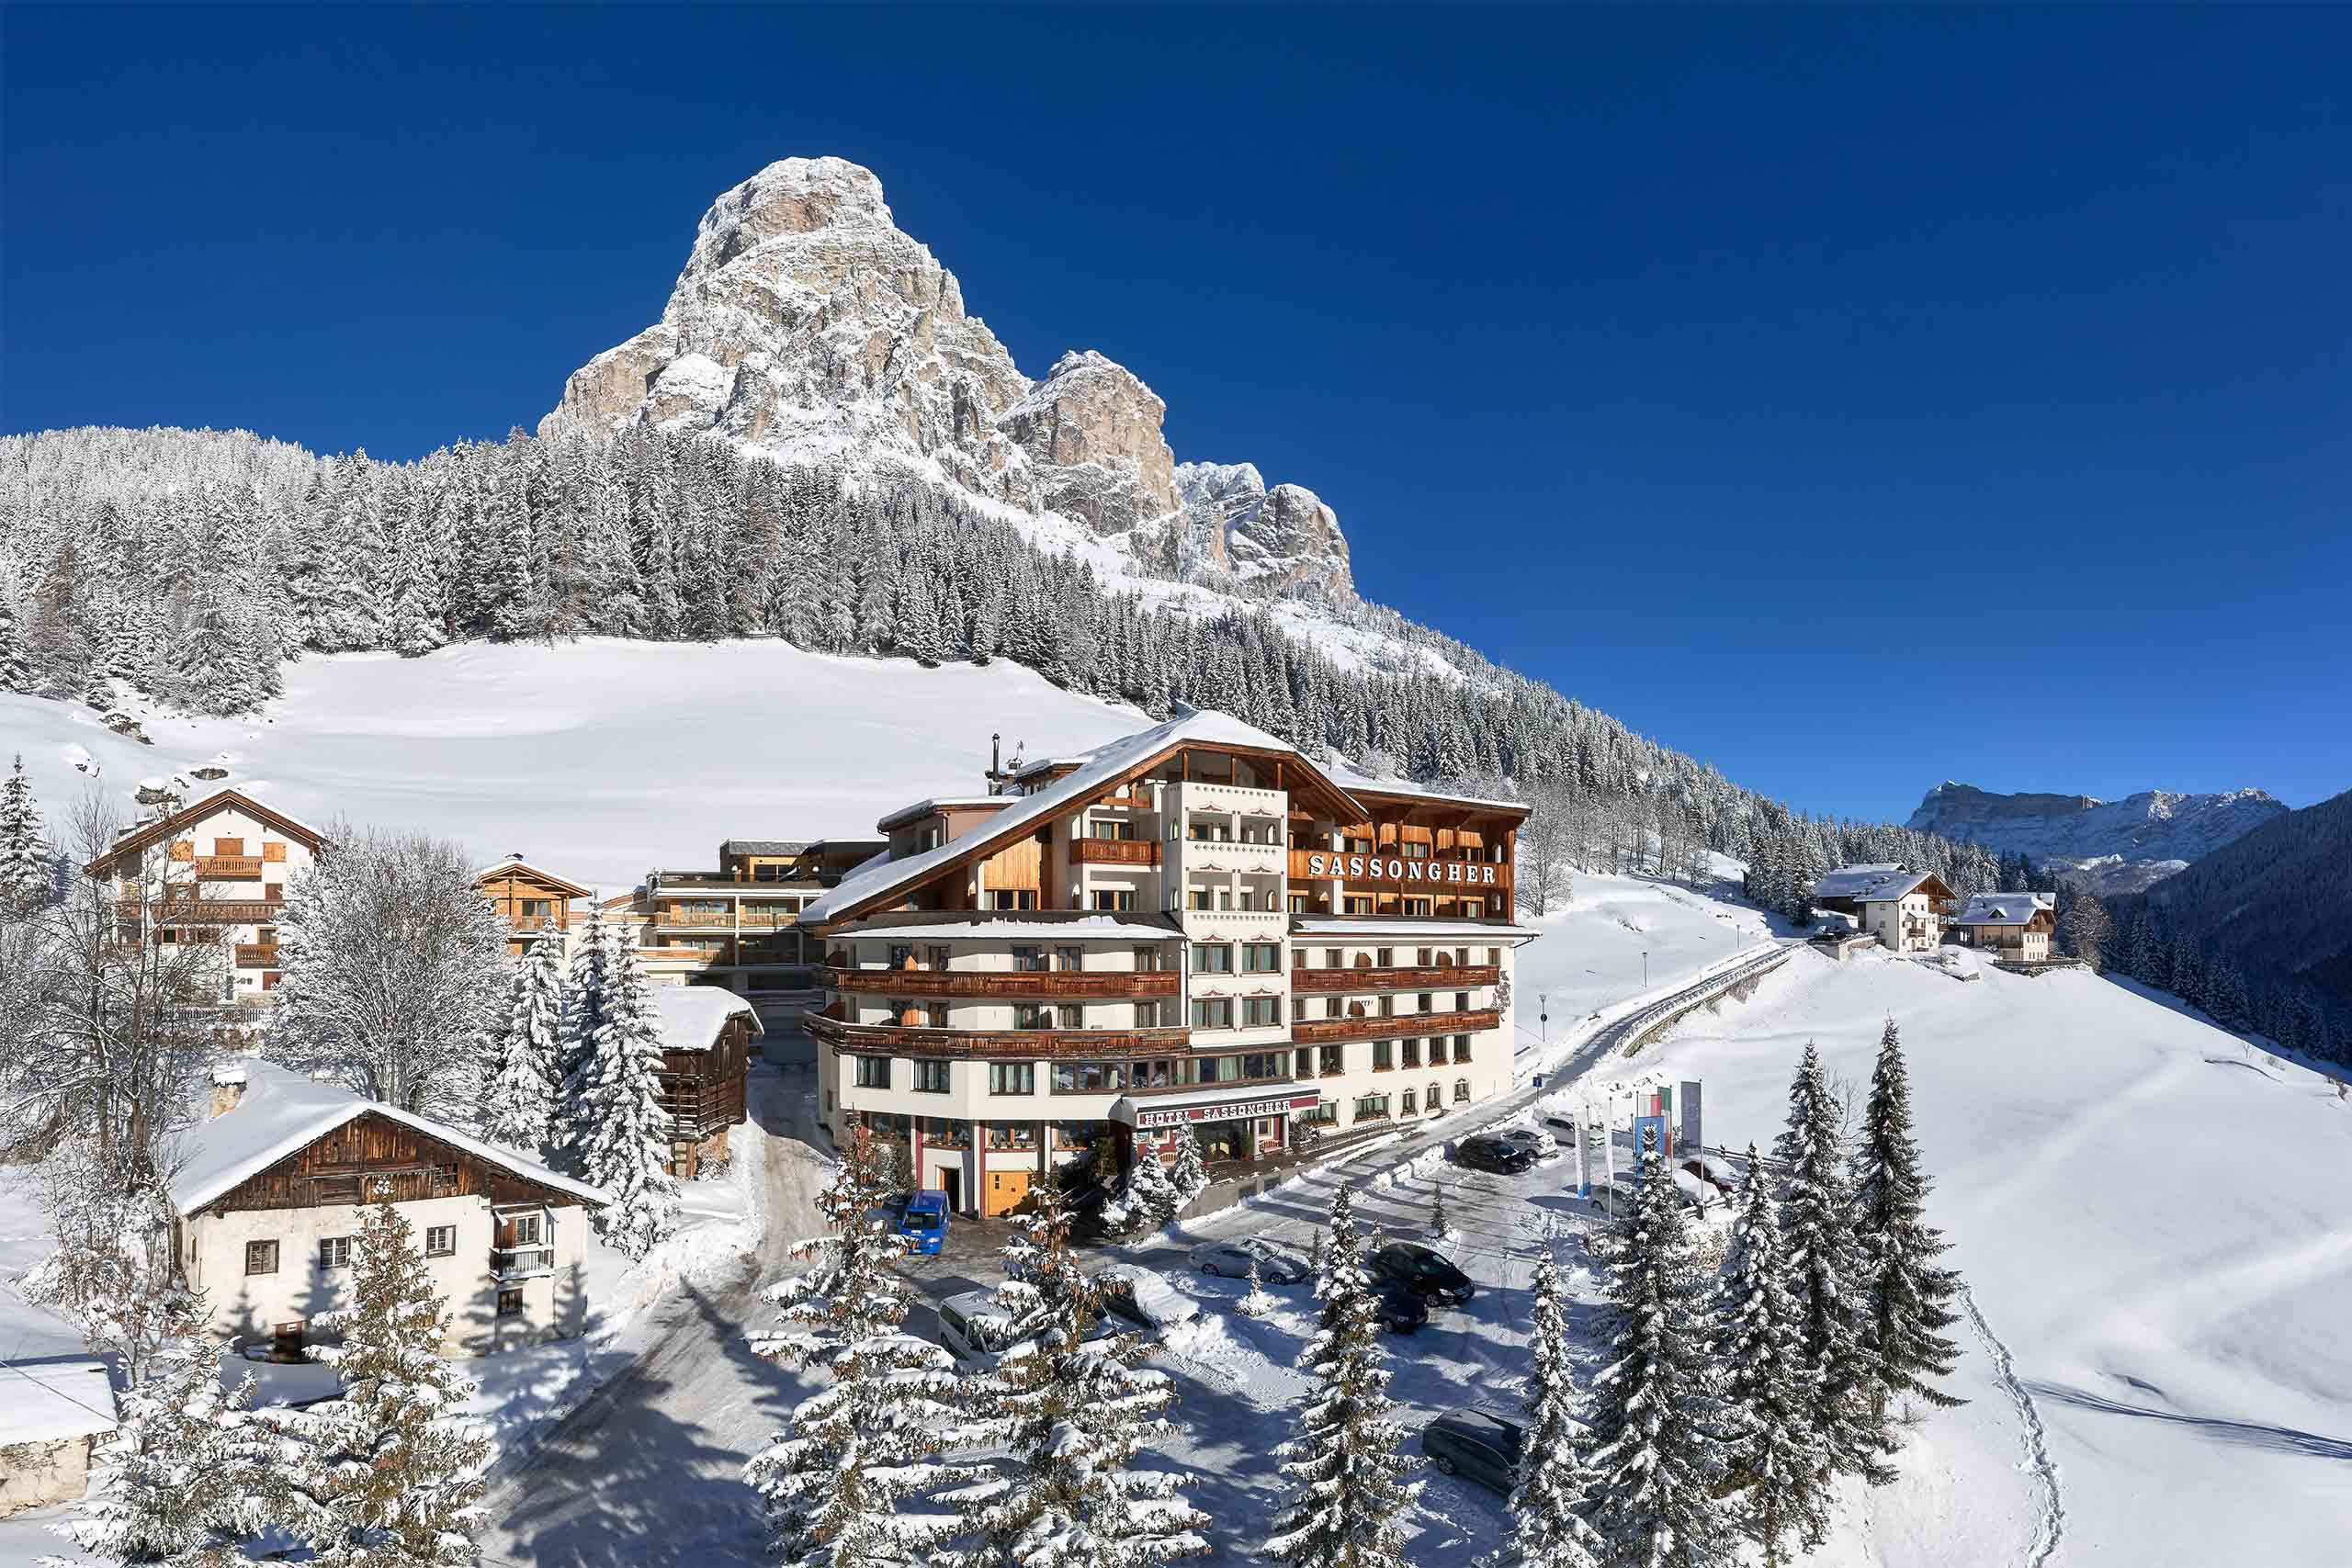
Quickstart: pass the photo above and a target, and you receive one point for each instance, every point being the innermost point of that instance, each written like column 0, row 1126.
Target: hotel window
column 1333, row 1008
column 1326, row 1113
column 1012, row 1078
column 901, row 956
column 1212, row 958
column 1089, row 1077
column 1146, row 960
column 1413, row 1099
column 1069, row 958
column 935, row 1015
column 1258, row 1013
column 1030, row 1015
column 1115, row 900
column 1416, row 850
column 538, row 908
column 1427, row 1002
column 1265, row 1064
column 1388, row 1007
column 1384, row 1056
column 1429, row 1098
column 1261, row 958
column 261, row 1257
column 1372, row 1108
column 335, row 1252
column 1462, row 1047
column 1302, row 1062
column 1298, row 1009
column 1298, row 904
column 440, row 1241
column 1461, row 1091
column 1198, row 898
column 1462, row 1001
column 931, row 1078
column 527, row 1230
column 1494, row 957
column 1417, row 906
column 1113, row 828
column 1330, row 1060
column 1029, row 960
column 935, row 958
column 1412, row 1052
column 1421, row 958
column 1013, row 899
column 1213, row 1014
column 1356, row 906
column 1384, row 958
column 1334, row 959
column 872, row 1072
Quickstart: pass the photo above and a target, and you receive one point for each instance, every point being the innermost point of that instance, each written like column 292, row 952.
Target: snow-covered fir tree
column 1074, row 1411
column 1345, row 1495
column 26, row 872
column 847, row 1483
column 1828, row 1274
column 16, row 672
column 526, row 1083
column 1547, row 1530
column 1655, row 1460
column 587, row 1005
column 187, row 1477
column 1150, row 1192
column 1905, row 1298
column 391, row 1473
column 618, row 1129
column 1770, row 1452
column 1191, row 1173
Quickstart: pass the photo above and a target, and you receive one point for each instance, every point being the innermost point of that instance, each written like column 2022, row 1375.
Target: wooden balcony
column 1018, row 1045
column 535, row 923
column 1397, row 1026
column 256, row 955
column 1028, row 985
column 1115, row 852
column 1438, row 978
column 748, row 919
column 228, row 868
column 180, row 911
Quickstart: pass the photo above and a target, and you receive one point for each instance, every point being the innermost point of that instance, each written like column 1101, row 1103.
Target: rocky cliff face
column 808, row 324
column 2117, row 844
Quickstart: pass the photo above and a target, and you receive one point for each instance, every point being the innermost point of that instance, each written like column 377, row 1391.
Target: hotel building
column 1195, row 925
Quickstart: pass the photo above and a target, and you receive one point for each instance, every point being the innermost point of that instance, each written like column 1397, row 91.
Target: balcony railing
column 748, row 919
column 1061, row 983
column 508, row 1264
column 1440, row 977
column 1115, row 852
column 183, row 911
column 1396, row 1026
column 228, row 868
column 1029, row 1045
column 256, row 955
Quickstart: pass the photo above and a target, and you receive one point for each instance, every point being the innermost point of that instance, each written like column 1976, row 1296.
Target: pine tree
column 1770, row 1452
column 1654, row 1457
column 1547, row 1530
column 526, row 1084
column 1149, row 1191
column 27, row 874
column 1439, row 1224
column 1828, row 1271
column 587, row 1006
column 1190, row 1175
column 1905, row 1298
column 187, row 1474
column 1348, row 1495
column 1074, row 1411
column 619, row 1130
column 388, row 1474
column 17, row 673
column 836, row 1480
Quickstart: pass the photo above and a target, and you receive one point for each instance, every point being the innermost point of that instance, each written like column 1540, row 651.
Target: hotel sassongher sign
column 1377, row 868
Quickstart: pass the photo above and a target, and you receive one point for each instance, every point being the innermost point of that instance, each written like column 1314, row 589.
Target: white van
column 974, row 1327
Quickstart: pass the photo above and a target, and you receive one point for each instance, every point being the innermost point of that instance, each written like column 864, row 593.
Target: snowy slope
column 2152, row 1218
column 597, row 760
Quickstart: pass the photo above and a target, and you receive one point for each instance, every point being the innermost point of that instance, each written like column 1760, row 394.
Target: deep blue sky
column 1855, row 400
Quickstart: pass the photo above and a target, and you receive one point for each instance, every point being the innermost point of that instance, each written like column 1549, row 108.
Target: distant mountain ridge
column 2114, row 845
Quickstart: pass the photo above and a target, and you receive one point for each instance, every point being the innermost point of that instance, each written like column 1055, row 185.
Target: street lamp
column 1646, row 969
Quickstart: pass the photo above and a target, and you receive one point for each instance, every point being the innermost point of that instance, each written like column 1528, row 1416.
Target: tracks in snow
column 2051, row 1528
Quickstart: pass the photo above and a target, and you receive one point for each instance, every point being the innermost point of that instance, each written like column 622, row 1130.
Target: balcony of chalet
column 1059, row 985
column 1366, row 976
column 1392, row 1026
column 1012, row 1044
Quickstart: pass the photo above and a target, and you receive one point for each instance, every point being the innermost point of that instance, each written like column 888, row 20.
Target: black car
column 1471, row 1442
column 1397, row 1308
column 1424, row 1272
column 1484, row 1153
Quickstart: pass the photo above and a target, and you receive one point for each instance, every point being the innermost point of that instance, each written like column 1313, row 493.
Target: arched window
column 1431, row 1098
column 1461, row 1091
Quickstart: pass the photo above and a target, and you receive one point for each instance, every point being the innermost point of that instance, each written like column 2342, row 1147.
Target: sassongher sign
column 1376, row 868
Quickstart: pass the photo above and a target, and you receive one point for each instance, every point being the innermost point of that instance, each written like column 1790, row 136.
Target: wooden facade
column 703, row 1092
column 534, row 904
column 1010, row 986
column 1396, row 1026
column 353, row 1163
column 1011, row 1044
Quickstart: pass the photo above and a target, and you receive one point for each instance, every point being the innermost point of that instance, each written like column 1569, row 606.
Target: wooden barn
column 707, row 1035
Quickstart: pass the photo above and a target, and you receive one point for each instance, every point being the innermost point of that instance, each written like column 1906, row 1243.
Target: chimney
column 228, row 1087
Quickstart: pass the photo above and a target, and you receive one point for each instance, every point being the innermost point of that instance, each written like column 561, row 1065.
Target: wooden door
column 1007, row 1190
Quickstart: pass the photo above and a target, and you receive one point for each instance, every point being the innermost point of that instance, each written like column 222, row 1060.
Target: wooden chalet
column 706, row 1034
column 534, row 904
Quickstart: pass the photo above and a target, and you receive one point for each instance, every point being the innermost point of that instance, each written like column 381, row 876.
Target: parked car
column 1423, row 1270
column 1397, row 1308
column 1471, row 1442
column 1143, row 1298
column 1562, row 1126
column 924, row 1223
column 1534, row 1140
column 1485, row 1153
column 974, row 1328
column 1231, row 1259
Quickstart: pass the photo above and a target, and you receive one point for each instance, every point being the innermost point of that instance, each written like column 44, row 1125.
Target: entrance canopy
column 1213, row 1105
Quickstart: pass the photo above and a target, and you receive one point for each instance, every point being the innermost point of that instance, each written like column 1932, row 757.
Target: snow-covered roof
column 762, row 846
column 880, row 878
column 1875, row 883
column 1388, row 926
column 2004, row 909
column 926, row 807
column 44, row 1402
column 692, row 1016
column 1036, row 926
column 1354, row 781
column 281, row 1113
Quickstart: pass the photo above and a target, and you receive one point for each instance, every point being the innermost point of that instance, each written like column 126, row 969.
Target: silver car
column 1276, row 1265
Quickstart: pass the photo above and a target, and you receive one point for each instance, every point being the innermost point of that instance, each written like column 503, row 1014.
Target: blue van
column 924, row 1225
